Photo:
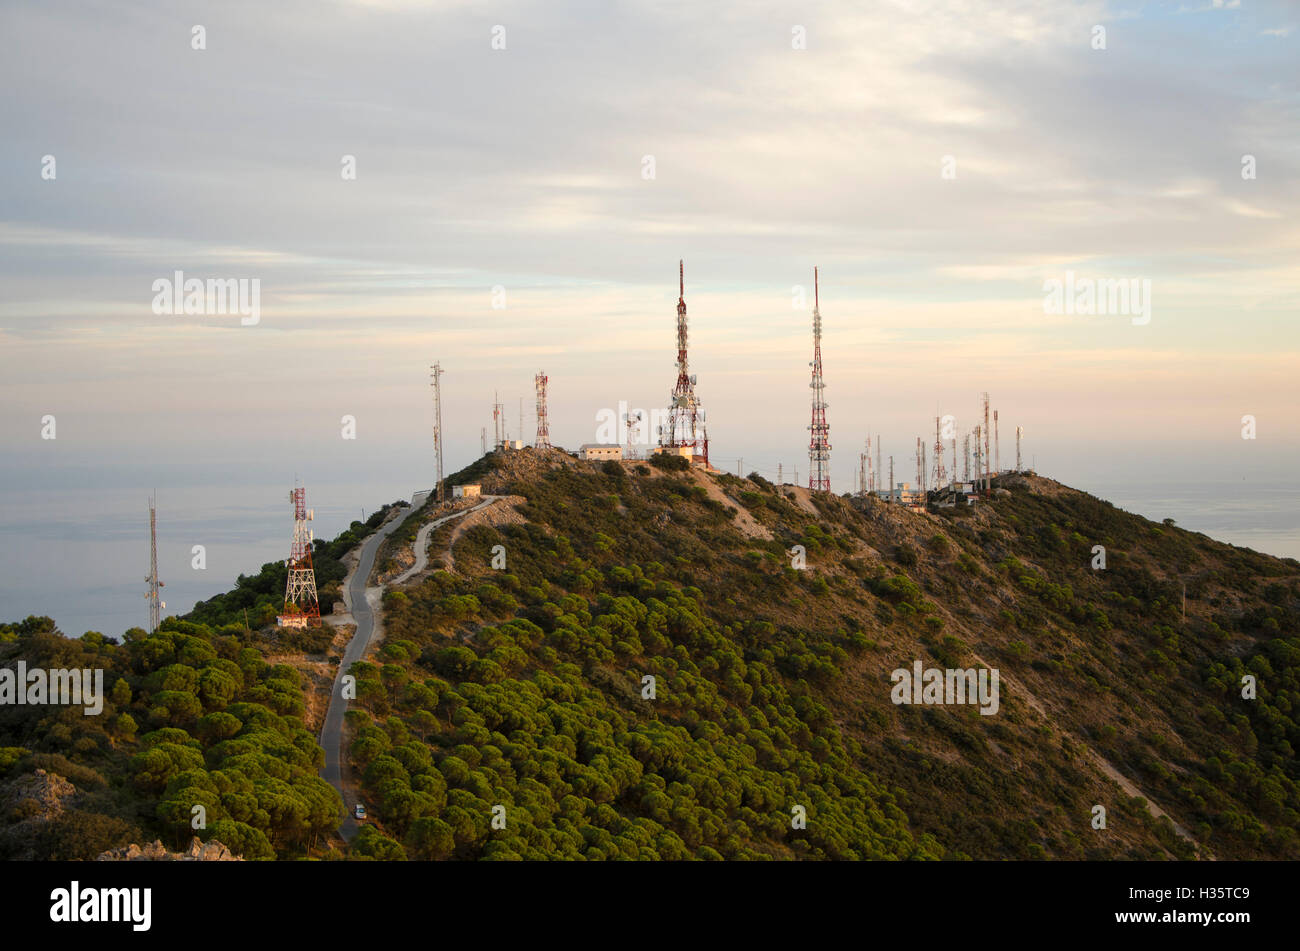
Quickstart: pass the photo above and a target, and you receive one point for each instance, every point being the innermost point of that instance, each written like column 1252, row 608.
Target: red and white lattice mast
column 819, row 448
column 686, row 426
column 543, row 426
column 301, row 607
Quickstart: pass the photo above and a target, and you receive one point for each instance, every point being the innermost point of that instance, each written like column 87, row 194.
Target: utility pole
column 891, row 478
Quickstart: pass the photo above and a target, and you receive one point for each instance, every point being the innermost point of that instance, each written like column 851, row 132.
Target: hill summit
column 631, row 659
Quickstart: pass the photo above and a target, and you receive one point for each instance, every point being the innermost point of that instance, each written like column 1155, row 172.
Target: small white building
column 600, row 450
column 466, row 491
column 903, row 494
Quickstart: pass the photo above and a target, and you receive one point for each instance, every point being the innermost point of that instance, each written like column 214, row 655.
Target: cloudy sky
column 525, row 168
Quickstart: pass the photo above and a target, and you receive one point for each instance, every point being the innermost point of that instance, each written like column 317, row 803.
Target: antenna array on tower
column 153, row 595
column 301, row 607
column 436, row 373
column 686, row 428
column 819, row 446
column 543, row 425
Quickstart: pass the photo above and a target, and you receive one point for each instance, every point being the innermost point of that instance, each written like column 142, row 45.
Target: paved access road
column 331, row 735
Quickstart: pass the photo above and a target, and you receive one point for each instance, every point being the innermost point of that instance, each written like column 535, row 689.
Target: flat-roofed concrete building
column 600, row 450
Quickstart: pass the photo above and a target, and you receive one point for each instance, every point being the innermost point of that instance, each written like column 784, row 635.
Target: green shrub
column 670, row 462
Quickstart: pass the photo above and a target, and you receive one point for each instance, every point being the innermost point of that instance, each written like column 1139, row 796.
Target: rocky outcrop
column 198, row 851
column 28, row 804
column 38, row 796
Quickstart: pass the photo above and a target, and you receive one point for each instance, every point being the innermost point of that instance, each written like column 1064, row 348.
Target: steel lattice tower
column 819, row 447
column 498, row 423
column 543, row 427
column 153, row 595
column 985, row 456
column 939, row 472
column 301, row 607
column 436, row 373
column 686, row 425
column 997, row 449
column 880, row 471
column 633, row 425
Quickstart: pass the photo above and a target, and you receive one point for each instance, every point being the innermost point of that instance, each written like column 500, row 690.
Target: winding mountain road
column 358, row 599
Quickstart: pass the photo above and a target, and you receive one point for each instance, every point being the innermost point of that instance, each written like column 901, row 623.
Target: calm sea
column 81, row 555
column 1262, row 516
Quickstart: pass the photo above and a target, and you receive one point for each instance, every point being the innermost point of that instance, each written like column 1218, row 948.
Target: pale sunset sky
column 523, row 167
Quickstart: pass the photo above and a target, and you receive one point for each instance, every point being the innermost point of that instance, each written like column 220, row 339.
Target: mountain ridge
column 515, row 695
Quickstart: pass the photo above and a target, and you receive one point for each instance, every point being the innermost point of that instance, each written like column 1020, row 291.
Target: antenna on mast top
column 815, row 292
column 681, row 280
